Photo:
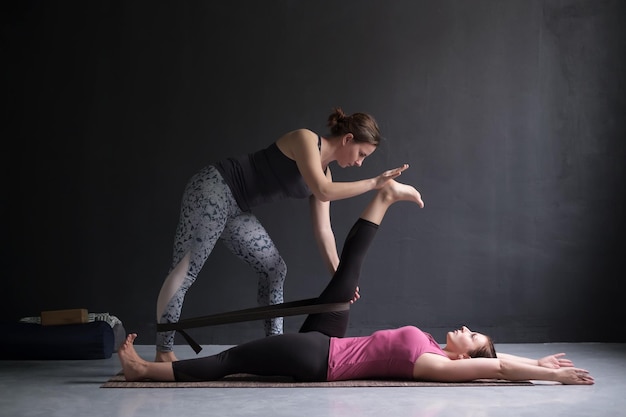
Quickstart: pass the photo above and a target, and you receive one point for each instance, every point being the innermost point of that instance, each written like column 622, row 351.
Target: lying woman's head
column 467, row 344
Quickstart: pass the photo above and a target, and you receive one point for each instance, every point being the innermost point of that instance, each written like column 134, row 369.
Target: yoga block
column 58, row 317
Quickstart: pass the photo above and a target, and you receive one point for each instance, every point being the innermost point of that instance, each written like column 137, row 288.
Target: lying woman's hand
column 574, row 376
column 555, row 361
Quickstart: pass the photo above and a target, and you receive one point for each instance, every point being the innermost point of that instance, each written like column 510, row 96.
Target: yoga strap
column 292, row 308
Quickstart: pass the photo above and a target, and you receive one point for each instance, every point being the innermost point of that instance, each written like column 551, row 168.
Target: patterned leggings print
column 209, row 212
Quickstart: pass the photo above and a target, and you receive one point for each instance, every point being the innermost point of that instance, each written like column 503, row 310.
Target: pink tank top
column 383, row 354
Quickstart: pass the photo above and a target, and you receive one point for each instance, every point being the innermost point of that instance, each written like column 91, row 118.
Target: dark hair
column 361, row 125
column 487, row 351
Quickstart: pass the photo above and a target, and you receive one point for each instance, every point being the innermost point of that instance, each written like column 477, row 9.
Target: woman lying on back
column 320, row 352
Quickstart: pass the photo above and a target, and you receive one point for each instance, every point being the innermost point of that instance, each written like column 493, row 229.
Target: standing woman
column 218, row 200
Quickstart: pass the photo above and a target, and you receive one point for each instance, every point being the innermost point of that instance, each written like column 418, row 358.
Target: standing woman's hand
column 356, row 296
column 383, row 178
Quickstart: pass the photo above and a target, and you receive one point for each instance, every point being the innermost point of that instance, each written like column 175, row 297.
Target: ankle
column 165, row 357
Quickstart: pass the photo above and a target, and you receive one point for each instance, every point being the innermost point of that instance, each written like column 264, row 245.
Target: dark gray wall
column 511, row 114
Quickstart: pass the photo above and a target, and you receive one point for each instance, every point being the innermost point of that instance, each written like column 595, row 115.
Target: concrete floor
column 72, row 388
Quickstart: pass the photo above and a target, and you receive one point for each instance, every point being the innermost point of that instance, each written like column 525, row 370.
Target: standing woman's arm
column 323, row 231
column 301, row 146
column 324, row 235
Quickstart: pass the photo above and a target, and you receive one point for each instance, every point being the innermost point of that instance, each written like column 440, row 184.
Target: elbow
column 322, row 194
column 502, row 371
column 512, row 370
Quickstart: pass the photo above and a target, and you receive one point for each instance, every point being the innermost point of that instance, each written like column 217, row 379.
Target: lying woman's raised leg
column 343, row 284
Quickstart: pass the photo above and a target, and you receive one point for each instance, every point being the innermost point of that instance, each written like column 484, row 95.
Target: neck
column 451, row 355
column 327, row 153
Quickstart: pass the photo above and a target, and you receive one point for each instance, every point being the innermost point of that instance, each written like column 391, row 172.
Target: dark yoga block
column 93, row 340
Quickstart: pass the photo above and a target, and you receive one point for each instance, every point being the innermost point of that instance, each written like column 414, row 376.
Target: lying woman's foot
column 133, row 366
column 391, row 193
column 396, row 191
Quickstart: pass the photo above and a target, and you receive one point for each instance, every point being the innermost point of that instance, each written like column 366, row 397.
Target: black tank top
column 263, row 177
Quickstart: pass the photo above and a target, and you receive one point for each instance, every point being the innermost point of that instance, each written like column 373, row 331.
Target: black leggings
column 303, row 355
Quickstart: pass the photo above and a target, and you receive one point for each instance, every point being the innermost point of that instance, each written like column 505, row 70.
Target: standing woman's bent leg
column 246, row 237
column 206, row 205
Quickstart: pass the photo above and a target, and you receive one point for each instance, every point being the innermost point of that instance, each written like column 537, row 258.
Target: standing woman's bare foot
column 134, row 368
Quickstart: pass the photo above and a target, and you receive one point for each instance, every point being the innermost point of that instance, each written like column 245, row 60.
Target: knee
column 282, row 267
column 277, row 271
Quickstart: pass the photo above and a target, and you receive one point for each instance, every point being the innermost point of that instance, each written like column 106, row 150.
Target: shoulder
column 294, row 142
column 298, row 134
column 429, row 363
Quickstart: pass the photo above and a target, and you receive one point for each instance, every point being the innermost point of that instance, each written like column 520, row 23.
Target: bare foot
column 396, row 191
column 165, row 357
column 133, row 366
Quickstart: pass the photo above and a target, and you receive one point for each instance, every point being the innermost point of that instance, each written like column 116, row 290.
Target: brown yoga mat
column 254, row 381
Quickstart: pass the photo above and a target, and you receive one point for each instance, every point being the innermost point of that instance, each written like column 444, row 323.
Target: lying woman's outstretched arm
column 554, row 361
column 433, row 367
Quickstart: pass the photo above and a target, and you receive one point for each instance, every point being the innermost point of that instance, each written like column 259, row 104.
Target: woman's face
column 352, row 153
column 463, row 340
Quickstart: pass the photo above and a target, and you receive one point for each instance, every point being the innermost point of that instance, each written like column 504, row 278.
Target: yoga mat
column 254, row 381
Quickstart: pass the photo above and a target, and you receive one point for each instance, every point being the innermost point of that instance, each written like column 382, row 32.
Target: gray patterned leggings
column 209, row 212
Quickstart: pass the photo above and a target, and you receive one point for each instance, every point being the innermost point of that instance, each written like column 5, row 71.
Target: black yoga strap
column 293, row 308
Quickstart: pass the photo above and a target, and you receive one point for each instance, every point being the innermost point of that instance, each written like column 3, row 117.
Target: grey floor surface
column 72, row 388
